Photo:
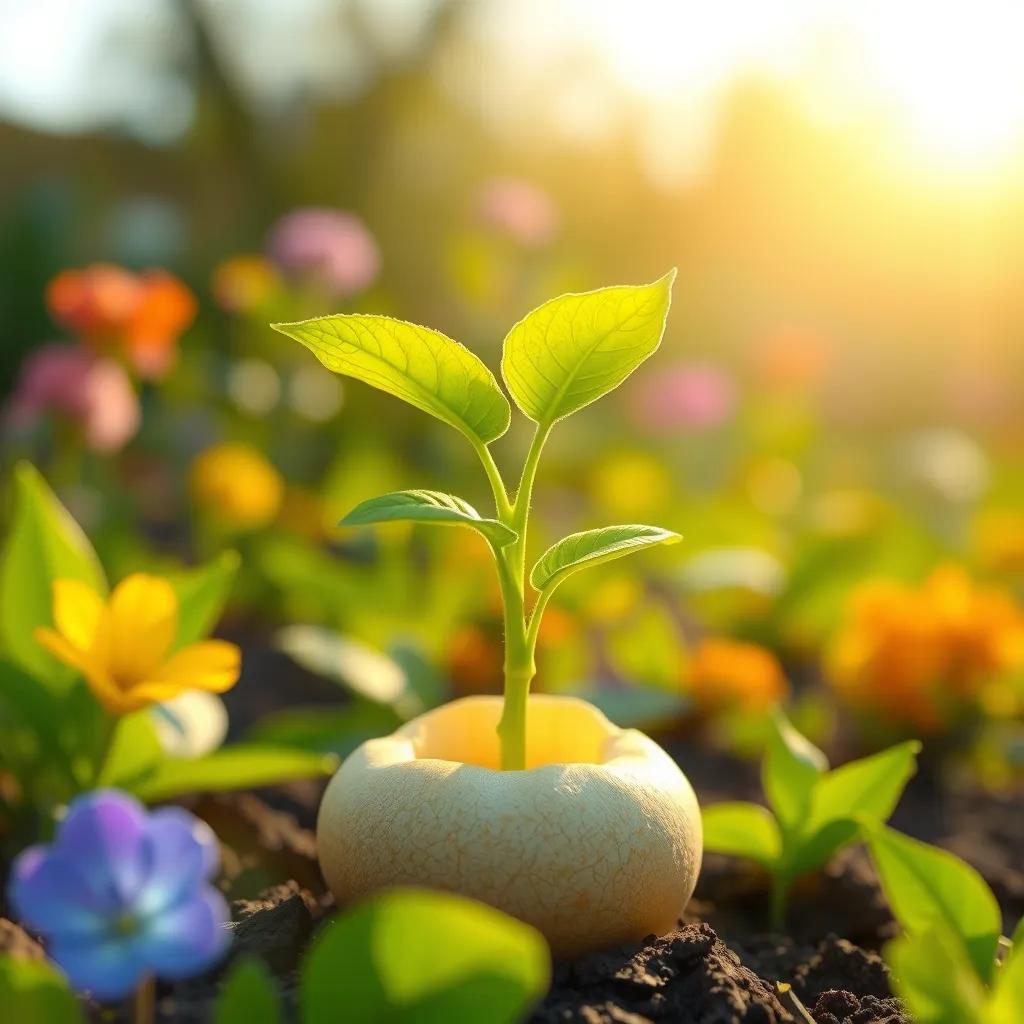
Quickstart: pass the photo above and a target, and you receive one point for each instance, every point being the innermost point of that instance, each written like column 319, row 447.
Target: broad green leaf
column 926, row 886
column 811, row 853
column 423, row 958
column 428, row 507
column 249, row 996
column 934, row 978
column 742, row 830
column 866, row 789
column 423, row 367
column 326, row 730
column 241, row 766
column 34, row 992
column 44, row 544
column 135, row 752
column 572, row 350
column 202, row 594
column 592, row 547
column 791, row 769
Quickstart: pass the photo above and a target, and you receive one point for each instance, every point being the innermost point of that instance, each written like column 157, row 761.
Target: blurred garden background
column 834, row 422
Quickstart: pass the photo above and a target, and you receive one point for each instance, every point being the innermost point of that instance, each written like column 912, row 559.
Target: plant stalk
column 779, row 895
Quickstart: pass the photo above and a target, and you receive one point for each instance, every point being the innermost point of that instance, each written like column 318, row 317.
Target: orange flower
column 137, row 316
column 921, row 656
column 727, row 674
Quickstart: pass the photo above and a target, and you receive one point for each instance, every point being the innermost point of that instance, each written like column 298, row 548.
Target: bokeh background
column 834, row 421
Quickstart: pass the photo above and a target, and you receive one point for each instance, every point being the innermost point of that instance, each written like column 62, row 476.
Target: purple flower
column 122, row 894
column 330, row 247
column 694, row 396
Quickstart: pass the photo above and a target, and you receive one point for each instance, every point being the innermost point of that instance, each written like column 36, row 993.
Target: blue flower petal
column 51, row 896
column 110, row 969
column 180, row 854
column 102, row 833
column 184, row 940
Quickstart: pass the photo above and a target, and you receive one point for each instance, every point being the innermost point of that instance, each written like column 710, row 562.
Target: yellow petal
column 76, row 612
column 104, row 689
column 138, row 628
column 212, row 665
column 62, row 648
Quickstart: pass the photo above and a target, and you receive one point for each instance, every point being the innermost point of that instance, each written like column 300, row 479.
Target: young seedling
column 559, row 358
column 951, row 964
column 816, row 811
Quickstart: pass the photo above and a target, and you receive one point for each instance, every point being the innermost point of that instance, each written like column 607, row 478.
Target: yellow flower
column 729, row 675
column 123, row 646
column 237, row 484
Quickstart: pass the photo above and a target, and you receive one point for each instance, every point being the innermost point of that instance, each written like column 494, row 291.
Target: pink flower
column 519, row 210
column 330, row 247
column 90, row 390
column 689, row 395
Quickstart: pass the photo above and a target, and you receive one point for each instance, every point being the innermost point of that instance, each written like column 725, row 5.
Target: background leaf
column 240, row 766
column 34, row 992
column 134, row 753
column 44, row 544
column 428, row 507
column 249, row 996
column 743, row 830
column 926, row 886
column 591, row 547
column 573, row 349
column 423, row 958
column 202, row 594
column 791, row 768
column 423, row 367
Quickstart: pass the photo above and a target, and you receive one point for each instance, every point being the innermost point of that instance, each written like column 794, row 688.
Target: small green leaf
column 428, row 507
column 790, row 771
column 202, row 594
column 868, row 789
column 933, row 977
column 573, row 349
column 926, row 886
column 809, row 854
column 742, row 830
column 240, row 766
column 592, row 547
column 423, row 958
column 44, row 544
column 33, row 992
column 1007, row 1002
column 135, row 752
column 249, row 996
column 423, row 367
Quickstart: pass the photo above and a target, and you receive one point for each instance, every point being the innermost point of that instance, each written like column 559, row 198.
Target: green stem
column 501, row 502
column 779, row 895
column 106, row 745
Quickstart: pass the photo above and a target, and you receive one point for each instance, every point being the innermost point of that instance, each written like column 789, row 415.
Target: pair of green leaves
column 946, row 964
column 817, row 811
column 408, row 955
column 562, row 356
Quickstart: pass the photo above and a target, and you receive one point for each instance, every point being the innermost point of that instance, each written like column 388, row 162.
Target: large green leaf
column 790, row 771
column 33, row 992
column 202, row 594
column 326, row 730
column 240, row 766
column 249, row 996
column 576, row 348
column 421, row 366
column 423, row 958
column 592, row 547
column 926, row 886
column 428, row 507
column 44, row 544
column 742, row 830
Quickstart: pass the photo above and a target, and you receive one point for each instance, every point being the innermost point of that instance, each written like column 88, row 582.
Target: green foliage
column 202, row 594
column 240, row 766
column 926, row 886
column 420, row 366
column 33, row 992
column 249, row 996
column 816, row 811
column 423, row 958
column 44, row 544
column 572, row 350
column 592, row 547
column 428, row 507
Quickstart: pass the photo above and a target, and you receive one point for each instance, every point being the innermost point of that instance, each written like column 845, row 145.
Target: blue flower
column 122, row 894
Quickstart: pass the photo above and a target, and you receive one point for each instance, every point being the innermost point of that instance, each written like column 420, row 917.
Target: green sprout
column 559, row 358
column 817, row 811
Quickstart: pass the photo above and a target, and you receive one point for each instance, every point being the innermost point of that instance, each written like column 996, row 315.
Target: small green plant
column 817, row 811
column 559, row 358
column 951, row 965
